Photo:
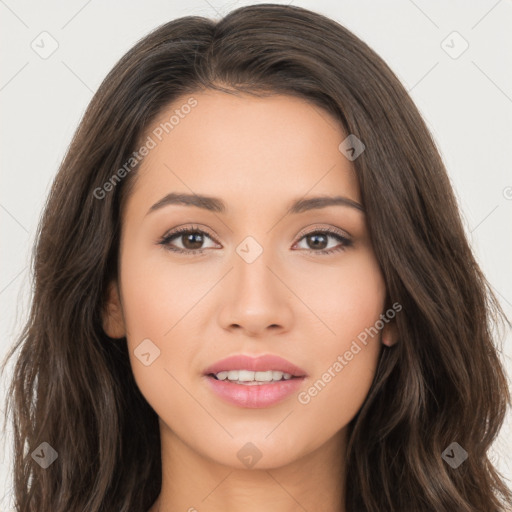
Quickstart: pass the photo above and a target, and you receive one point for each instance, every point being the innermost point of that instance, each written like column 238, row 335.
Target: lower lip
column 255, row 396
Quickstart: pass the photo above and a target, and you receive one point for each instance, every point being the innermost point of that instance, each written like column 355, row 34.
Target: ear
column 389, row 334
column 112, row 314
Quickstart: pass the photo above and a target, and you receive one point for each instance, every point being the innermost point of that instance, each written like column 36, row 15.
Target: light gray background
column 466, row 101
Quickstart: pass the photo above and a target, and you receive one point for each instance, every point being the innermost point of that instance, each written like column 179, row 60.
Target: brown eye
column 318, row 241
column 193, row 240
column 190, row 239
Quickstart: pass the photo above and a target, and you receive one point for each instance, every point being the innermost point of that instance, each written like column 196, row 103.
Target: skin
column 257, row 155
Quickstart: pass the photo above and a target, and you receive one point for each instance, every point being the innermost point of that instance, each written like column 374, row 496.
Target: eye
column 192, row 238
column 318, row 239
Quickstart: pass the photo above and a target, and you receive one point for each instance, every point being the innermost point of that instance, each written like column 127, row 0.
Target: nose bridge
column 256, row 298
column 252, row 270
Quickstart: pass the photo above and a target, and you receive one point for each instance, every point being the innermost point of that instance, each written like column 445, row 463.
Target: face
column 248, row 276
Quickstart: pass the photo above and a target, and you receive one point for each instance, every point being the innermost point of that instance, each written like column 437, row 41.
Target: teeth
column 233, row 375
column 242, row 376
column 264, row 376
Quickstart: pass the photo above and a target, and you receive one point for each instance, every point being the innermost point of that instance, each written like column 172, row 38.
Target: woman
column 253, row 290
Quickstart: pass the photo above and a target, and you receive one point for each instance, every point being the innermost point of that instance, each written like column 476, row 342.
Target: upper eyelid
column 330, row 230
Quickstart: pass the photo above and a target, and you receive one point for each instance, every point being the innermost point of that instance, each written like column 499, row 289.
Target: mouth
column 251, row 382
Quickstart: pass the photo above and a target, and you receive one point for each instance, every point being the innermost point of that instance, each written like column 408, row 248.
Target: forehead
column 246, row 149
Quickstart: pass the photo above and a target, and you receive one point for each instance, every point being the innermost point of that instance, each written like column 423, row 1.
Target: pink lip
column 259, row 395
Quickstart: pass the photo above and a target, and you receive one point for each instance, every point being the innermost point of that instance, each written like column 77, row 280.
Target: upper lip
column 255, row 364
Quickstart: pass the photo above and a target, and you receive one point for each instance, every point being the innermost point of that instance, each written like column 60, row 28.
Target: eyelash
column 166, row 239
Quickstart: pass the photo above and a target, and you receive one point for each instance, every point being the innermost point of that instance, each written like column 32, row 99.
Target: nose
column 256, row 298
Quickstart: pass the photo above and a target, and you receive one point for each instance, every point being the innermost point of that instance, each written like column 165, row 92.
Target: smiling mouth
column 265, row 387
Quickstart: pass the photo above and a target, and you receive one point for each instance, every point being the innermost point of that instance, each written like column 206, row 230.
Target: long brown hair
column 442, row 383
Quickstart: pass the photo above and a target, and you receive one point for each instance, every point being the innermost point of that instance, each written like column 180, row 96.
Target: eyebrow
column 214, row 204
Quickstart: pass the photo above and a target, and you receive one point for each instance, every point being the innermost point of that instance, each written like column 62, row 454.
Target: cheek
column 345, row 296
column 156, row 300
column 348, row 299
column 158, row 293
